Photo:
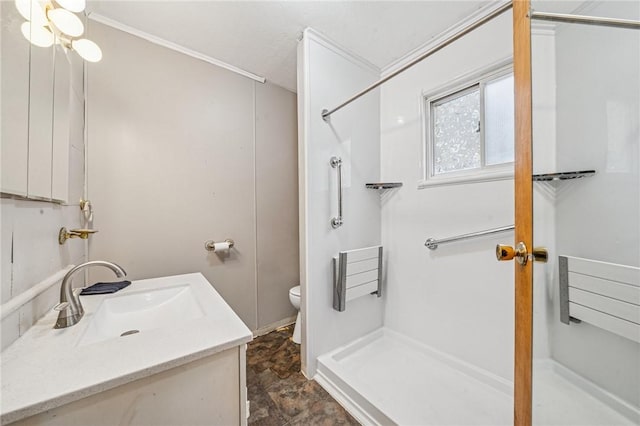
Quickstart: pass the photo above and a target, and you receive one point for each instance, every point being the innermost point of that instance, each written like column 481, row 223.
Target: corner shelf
column 549, row 177
column 383, row 185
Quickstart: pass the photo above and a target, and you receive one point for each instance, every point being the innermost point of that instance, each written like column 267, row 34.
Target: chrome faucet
column 70, row 307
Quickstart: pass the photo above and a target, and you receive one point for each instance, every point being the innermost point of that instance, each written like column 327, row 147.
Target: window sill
column 465, row 179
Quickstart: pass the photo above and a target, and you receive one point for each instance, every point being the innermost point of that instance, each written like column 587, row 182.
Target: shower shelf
column 383, row 185
column 548, row 177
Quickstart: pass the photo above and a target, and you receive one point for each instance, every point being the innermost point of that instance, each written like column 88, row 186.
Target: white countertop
column 46, row 368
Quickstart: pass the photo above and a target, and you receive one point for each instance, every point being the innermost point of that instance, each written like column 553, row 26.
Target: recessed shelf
column 548, row 177
column 383, row 185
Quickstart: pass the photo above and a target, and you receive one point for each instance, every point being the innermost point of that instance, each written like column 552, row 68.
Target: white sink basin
column 180, row 319
column 119, row 316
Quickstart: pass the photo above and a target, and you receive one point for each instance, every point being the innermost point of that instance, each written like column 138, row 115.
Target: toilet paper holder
column 211, row 245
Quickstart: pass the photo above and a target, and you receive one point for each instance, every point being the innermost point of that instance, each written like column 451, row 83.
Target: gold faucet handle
column 82, row 233
column 64, row 235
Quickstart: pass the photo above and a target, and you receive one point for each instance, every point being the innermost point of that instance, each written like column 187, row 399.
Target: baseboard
column 342, row 398
column 274, row 326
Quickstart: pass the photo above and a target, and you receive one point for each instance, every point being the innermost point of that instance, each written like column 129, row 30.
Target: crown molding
column 171, row 45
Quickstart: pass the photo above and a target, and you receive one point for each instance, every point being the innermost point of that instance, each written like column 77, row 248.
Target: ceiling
column 261, row 36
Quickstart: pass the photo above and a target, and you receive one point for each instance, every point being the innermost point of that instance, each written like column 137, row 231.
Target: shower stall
column 407, row 316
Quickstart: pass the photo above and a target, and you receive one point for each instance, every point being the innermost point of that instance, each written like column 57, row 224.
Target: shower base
column 386, row 378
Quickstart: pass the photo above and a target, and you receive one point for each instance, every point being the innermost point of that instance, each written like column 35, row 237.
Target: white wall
column 598, row 113
column 173, row 162
column 29, row 247
column 458, row 299
column 327, row 75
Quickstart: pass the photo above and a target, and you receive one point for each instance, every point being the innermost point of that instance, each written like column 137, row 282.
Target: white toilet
column 294, row 297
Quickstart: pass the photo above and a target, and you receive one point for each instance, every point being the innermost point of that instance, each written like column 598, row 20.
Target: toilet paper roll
column 221, row 247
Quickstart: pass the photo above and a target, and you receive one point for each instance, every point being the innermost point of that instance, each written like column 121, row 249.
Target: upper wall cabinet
column 61, row 122
column 40, row 122
column 14, row 126
column 35, row 114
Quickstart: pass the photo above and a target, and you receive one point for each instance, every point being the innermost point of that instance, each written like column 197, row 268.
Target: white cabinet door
column 14, row 127
column 40, row 122
column 60, row 152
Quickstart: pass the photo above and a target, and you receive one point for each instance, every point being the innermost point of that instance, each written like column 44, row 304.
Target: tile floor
column 280, row 395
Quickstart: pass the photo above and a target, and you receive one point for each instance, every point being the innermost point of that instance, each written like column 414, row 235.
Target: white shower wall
column 327, row 75
column 458, row 298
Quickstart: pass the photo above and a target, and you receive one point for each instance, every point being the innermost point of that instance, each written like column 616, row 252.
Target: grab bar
column 336, row 162
column 432, row 243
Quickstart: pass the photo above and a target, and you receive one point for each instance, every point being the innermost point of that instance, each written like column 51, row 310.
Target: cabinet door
column 14, row 126
column 40, row 122
column 60, row 153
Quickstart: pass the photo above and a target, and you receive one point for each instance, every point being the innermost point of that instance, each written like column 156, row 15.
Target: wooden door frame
column 522, row 408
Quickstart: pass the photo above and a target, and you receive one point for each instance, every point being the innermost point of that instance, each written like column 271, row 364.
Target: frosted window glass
column 498, row 119
column 456, row 133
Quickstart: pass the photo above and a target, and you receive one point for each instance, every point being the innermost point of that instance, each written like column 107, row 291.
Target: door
column 523, row 214
column 577, row 317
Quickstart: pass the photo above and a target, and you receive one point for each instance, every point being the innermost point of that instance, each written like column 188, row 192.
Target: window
column 469, row 130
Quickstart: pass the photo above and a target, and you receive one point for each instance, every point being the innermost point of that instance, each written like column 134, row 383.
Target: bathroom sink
column 146, row 329
column 122, row 315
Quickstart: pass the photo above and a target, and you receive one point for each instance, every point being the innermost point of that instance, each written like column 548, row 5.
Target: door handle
column 521, row 254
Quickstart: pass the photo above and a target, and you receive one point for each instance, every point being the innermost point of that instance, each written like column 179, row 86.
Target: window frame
column 452, row 90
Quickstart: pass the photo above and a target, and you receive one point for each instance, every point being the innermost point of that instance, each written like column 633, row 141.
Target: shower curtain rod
column 444, row 43
column 581, row 19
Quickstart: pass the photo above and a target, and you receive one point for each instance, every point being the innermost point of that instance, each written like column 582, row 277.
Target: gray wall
column 181, row 151
column 276, row 201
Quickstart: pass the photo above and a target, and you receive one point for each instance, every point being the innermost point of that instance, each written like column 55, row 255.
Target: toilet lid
column 295, row 291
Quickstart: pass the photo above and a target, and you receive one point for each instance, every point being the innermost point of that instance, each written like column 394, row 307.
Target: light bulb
column 39, row 36
column 72, row 5
column 87, row 49
column 32, row 11
column 24, row 7
column 66, row 22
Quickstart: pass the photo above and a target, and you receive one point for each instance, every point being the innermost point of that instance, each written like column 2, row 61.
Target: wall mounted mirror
column 14, row 126
column 40, row 122
column 35, row 114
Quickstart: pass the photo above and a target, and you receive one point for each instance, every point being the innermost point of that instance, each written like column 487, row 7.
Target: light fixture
column 65, row 21
column 40, row 36
column 32, row 11
column 72, row 5
column 47, row 23
column 88, row 50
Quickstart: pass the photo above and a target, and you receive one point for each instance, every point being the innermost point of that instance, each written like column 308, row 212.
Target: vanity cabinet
column 208, row 391
column 162, row 351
